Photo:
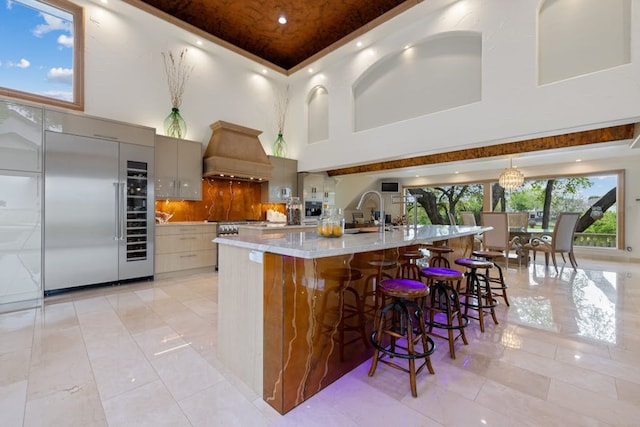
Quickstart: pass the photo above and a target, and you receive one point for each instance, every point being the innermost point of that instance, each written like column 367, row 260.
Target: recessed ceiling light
column 359, row 44
column 104, row 1
column 578, row 160
column 199, row 42
column 264, row 71
column 457, row 172
column 311, row 70
column 406, row 46
column 282, row 19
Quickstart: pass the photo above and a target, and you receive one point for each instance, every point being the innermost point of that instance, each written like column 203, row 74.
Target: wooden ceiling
column 313, row 28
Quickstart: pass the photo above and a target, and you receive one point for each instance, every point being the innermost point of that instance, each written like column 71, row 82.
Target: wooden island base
column 281, row 329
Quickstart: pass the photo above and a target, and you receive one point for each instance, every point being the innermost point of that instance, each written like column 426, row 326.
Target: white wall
column 124, row 80
column 513, row 106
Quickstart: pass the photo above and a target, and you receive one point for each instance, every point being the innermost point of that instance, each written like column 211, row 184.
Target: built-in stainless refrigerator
column 99, row 211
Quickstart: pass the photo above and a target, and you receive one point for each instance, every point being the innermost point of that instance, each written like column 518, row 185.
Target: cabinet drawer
column 185, row 261
column 95, row 127
column 183, row 243
column 177, row 229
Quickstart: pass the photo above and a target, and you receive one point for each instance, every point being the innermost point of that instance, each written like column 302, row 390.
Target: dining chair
column 452, row 218
column 560, row 241
column 498, row 238
column 518, row 219
column 467, row 218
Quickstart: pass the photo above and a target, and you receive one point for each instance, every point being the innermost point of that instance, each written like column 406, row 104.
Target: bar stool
column 443, row 309
column 396, row 321
column 438, row 258
column 475, row 297
column 345, row 311
column 501, row 289
column 408, row 268
column 383, row 271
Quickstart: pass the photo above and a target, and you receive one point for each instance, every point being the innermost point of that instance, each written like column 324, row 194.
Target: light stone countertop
column 184, row 223
column 310, row 245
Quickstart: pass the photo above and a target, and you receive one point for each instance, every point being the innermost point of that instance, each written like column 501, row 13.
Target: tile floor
column 566, row 353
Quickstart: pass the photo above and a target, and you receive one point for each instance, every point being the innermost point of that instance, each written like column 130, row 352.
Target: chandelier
column 511, row 178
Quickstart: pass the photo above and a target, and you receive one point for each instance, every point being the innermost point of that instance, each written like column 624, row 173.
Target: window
column 43, row 62
column 596, row 196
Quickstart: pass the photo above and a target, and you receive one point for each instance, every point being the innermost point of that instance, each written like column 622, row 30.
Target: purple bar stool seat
column 477, row 294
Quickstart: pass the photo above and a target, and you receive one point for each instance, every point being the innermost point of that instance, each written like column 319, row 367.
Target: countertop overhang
column 310, row 245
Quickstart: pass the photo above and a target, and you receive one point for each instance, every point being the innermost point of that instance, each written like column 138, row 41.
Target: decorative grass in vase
column 282, row 103
column 178, row 72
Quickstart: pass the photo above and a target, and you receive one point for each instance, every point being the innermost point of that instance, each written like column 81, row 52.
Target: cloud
column 60, row 75
column 52, row 23
column 64, row 96
column 65, row 41
column 22, row 64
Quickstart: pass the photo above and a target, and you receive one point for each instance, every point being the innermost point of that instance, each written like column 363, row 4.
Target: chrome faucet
column 359, row 206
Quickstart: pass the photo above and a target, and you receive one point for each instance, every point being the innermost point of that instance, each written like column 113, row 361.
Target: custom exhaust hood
column 235, row 152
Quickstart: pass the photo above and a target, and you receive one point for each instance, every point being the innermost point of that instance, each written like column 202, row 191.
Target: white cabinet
column 182, row 247
column 20, row 137
column 284, row 181
column 20, row 236
column 178, row 169
column 312, row 185
column 95, row 127
column 317, row 187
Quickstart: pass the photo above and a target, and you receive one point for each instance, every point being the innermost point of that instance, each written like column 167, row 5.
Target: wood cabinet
column 284, row 181
column 95, row 127
column 181, row 247
column 178, row 169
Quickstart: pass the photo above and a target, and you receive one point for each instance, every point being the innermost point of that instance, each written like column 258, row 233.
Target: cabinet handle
column 97, row 135
column 188, row 238
column 188, row 256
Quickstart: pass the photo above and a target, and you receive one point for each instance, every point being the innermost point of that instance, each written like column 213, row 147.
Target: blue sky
column 36, row 54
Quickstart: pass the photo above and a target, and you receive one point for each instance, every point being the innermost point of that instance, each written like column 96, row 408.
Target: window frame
column 78, row 62
column 488, row 183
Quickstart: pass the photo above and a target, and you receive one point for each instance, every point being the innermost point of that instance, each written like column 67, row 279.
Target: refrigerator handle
column 116, row 186
column 123, row 208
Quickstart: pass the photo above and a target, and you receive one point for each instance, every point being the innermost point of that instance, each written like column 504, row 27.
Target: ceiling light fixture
column 282, row 19
column 511, row 178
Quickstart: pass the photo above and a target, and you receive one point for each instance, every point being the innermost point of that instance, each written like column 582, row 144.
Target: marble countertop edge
column 310, row 245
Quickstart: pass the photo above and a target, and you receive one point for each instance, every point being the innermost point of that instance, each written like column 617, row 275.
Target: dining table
column 519, row 236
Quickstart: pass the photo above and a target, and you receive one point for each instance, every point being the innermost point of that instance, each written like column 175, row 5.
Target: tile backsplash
column 222, row 200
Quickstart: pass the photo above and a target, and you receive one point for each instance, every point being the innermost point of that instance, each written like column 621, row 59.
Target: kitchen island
column 295, row 310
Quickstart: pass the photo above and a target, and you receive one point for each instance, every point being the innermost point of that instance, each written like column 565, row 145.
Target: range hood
column 236, row 152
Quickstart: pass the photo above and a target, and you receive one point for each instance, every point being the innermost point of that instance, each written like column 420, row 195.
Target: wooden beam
column 575, row 139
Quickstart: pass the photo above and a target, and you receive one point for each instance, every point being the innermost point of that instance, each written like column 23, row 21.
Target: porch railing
column 595, row 240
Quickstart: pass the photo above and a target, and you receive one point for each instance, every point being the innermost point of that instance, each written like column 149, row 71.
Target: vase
column 174, row 125
column 279, row 146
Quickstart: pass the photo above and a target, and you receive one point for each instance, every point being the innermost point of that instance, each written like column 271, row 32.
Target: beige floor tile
column 530, row 411
column 184, row 372
column 76, row 407
column 613, row 411
column 145, row 354
column 13, row 398
column 221, row 405
column 150, row 405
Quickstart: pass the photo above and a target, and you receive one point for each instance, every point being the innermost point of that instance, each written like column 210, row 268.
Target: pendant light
column 511, row 178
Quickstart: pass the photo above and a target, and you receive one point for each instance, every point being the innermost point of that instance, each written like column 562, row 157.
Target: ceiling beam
column 575, row 139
